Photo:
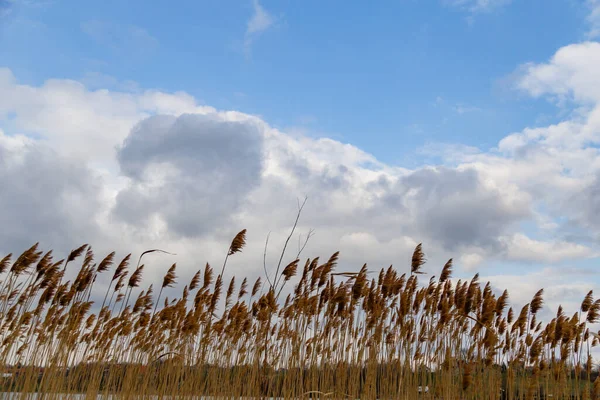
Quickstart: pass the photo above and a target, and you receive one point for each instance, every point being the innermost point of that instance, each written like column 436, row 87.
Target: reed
column 365, row 334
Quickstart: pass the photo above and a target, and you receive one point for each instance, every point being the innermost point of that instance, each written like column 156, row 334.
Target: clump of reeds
column 335, row 335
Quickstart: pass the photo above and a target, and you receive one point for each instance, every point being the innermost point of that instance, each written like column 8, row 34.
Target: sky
column 471, row 126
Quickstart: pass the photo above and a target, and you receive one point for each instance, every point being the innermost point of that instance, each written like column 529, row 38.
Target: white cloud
column 82, row 163
column 259, row 22
column 571, row 74
column 471, row 261
column 452, row 209
column 176, row 185
column 556, row 166
column 560, row 163
column 559, row 289
column 73, row 120
column 521, row 247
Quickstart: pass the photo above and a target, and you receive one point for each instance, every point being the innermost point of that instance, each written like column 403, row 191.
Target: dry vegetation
column 336, row 335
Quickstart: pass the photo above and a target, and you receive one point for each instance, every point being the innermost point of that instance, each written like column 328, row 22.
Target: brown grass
column 336, row 335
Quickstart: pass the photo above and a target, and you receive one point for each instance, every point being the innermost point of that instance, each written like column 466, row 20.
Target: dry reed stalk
column 335, row 333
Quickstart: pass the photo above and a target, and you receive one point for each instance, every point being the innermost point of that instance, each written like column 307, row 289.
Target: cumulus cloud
column 146, row 169
column 558, row 291
column 565, row 155
column 45, row 197
column 570, row 74
column 179, row 170
column 586, row 205
column 471, row 261
column 455, row 208
column 521, row 247
column 193, row 171
column 74, row 120
column 135, row 169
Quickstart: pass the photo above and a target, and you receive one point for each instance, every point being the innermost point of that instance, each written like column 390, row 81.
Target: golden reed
column 335, row 335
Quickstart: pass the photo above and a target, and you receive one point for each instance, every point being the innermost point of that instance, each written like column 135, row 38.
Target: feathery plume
column 121, row 268
column 136, row 277
column 446, row 271
column 587, row 301
column 169, row 278
column 243, row 288
column 290, row 270
column 537, row 302
column 106, row 263
column 195, row 280
column 76, row 253
column 418, row 259
column 4, row 263
column 256, row 287
column 238, row 242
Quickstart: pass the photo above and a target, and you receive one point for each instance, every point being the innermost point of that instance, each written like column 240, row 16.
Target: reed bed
column 362, row 335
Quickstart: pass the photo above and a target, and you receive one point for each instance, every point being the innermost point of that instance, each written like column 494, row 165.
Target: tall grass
column 362, row 334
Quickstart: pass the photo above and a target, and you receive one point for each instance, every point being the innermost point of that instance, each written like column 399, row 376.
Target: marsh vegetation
column 365, row 334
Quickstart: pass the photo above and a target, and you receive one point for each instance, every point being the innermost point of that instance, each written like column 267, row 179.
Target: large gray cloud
column 45, row 198
column 212, row 174
column 455, row 208
column 584, row 208
column 193, row 171
column 452, row 207
column 449, row 208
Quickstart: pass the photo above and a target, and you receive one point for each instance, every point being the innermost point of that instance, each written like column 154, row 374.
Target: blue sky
column 472, row 126
column 388, row 78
